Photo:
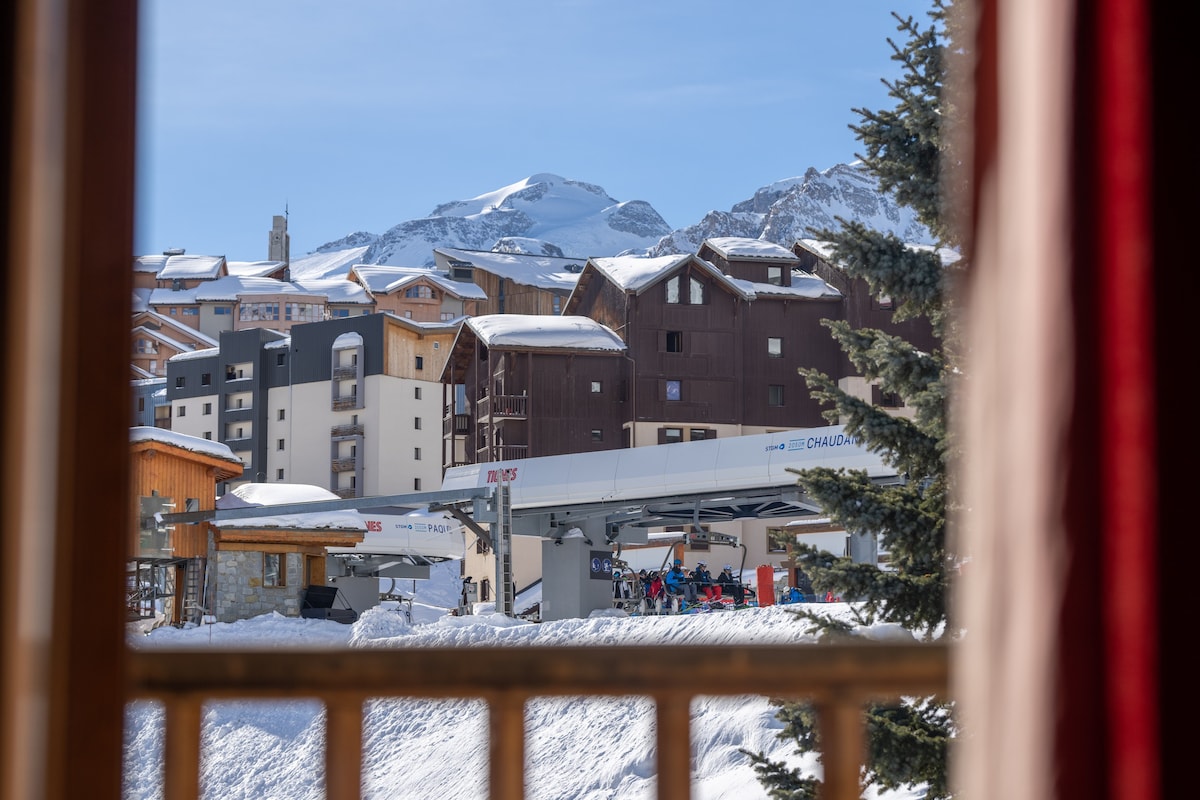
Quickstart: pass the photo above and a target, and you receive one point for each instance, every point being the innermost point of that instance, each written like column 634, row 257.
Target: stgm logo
column 508, row 475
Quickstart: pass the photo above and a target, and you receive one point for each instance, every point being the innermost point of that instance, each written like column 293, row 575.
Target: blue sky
column 360, row 115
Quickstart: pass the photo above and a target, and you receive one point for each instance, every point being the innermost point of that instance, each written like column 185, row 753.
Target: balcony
column 345, row 373
column 840, row 679
column 346, row 493
column 458, row 425
column 355, row 429
column 344, row 402
column 344, row 464
column 503, row 406
column 505, row 452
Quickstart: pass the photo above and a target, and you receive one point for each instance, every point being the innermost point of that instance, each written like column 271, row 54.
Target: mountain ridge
column 547, row 214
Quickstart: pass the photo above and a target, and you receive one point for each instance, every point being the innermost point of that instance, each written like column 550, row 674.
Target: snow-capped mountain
column 794, row 208
column 549, row 215
column 544, row 214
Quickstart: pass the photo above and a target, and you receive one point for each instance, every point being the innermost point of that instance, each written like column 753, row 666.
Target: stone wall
column 240, row 593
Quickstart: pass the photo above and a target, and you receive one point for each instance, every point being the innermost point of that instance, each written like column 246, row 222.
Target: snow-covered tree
column 907, row 148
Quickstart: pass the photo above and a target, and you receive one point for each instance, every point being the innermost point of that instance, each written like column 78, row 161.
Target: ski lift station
column 583, row 507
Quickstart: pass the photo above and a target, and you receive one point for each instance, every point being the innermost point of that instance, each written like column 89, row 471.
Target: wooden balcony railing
column 458, row 425
column 839, row 679
column 344, row 402
column 347, row 430
column 507, row 406
column 343, row 464
column 506, row 452
column 345, row 373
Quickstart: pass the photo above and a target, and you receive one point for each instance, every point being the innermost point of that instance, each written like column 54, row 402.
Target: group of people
column 688, row 585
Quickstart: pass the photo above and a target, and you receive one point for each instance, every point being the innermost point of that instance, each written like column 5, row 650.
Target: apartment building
column 350, row 404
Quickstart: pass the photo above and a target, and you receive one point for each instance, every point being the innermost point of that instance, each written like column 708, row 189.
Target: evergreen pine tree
column 906, row 149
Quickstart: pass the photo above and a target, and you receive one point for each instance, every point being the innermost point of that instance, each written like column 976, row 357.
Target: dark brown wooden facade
column 525, row 403
column 860, row 308
column 714, row 340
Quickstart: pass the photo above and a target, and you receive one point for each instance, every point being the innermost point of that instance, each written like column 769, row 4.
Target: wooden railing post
column 506, row 747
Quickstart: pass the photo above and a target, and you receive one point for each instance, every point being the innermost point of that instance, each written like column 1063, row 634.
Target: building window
column 146, row 346
column 420, row 362
column 274, row 569
column 416, row 393
column 207, row 409
column 416, row 484
column 279, row 474
column 408, row 315
column 222, row 311
column 673, row 390
column 257, row 312
column 775, row 276
column 416, row 454
column 280, row 359
column 191, row 311
column 208, row 435
column 280, row 416
column 774, row 347
column 700, row 434
column 181, row 411
column 422, row 292
column 141, row 404
column 556, row 304
column 775, row 394
column 180, row 382
column 674, row 341
column 337, row 313
column 670, row 435
column 686, row 289
column 417, row 423
column 206, row 379
column 597, row 435
column 279, row 444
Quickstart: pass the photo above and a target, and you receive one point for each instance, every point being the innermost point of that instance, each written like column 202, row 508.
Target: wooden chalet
column 171, row 473
column 532, row 385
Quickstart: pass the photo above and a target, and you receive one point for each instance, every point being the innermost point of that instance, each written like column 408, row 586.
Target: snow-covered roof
column 143, row 433
column 232, row 288
column 252, row 269
column 637, row 273
column 804, row 285
column 386, row 280
column 205, row 353
column 544, row 331
column 149, row 263
column 185, row 330
column 740, row 247
column 261, row 495
column 159, row 336
column 544, row 272
column 336, row 290
column 185, row 267
column 633, row 273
